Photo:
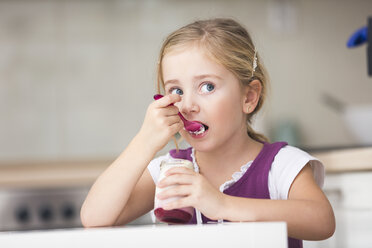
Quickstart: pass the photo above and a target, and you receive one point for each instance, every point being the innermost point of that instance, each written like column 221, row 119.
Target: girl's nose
column 188, row 105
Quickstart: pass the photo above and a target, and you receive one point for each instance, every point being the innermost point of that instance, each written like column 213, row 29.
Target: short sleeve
column 154, row 167
column 286, row 165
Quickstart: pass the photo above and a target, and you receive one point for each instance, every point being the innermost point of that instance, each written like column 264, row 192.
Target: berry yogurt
column 174, row 216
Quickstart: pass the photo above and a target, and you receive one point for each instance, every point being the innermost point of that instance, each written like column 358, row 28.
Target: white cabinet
column 351, row 197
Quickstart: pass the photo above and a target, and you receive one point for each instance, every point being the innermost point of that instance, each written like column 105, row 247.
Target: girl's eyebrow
column 206, row 76
column 199, row 77
column 171, row 81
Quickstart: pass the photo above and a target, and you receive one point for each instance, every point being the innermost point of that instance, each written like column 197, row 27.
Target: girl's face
column 211, row 95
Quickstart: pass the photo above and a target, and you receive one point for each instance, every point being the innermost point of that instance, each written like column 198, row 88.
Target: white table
column 226, row 235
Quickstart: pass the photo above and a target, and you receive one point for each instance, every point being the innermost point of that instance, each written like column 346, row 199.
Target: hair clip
column 254, row 62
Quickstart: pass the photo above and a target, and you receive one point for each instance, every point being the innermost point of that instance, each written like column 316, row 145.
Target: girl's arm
column 140, row 201
column 307, row 211
column 111, row 191
column 125, row 189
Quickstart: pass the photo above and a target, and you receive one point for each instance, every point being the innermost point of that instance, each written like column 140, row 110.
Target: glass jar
column 174, row 216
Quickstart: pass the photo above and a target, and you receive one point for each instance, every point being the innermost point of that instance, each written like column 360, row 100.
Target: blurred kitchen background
column 76, row 77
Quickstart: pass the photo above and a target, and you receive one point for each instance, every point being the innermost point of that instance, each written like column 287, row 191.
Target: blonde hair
column 229, row 44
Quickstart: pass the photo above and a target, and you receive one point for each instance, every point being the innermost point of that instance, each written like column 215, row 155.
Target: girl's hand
column 161, row 121
column 194, row 191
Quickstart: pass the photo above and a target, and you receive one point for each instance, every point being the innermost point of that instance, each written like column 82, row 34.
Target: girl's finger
column 179, row 170
column 176, row 179
column 176, row 127
column 175, row 191
column 170, row 120
column 168, row 111
column 171, row 110
column 167, row 100
column 179, row 203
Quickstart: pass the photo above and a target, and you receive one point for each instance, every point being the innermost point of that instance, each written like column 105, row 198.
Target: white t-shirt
column 288, row 162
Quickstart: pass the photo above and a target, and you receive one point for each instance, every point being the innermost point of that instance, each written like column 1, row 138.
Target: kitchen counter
column 254, row 234
column 345, row 159
column 51, row 173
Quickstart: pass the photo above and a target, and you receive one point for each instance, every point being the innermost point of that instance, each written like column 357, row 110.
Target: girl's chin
column 198, row 145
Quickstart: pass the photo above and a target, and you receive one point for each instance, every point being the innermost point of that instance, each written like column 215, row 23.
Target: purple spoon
column 191, row 126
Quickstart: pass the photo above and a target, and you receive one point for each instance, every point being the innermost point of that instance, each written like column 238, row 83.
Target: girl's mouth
column 203, row 128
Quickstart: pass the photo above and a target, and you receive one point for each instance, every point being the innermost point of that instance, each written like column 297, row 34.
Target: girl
column 210, row 72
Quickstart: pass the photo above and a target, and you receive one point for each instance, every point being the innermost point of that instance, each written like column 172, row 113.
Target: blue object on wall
column 358, row 38
column 361, row 36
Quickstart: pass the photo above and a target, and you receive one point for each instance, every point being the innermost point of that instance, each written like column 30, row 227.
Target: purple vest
column 254, row 182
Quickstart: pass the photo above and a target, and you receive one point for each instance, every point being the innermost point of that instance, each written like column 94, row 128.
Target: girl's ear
column 252, row 94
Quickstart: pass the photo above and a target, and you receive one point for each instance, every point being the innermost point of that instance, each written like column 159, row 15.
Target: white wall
column 76, row 76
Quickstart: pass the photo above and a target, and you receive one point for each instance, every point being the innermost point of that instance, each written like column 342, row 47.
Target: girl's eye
column 207, row 87
column 176, row 91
